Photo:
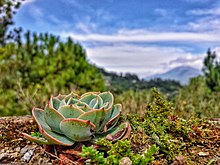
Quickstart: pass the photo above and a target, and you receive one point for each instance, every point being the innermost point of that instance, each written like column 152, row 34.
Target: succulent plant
column 71, row 118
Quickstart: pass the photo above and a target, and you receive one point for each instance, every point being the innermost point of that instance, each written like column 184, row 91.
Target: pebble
column 125, row 161
column 27, row 156
column 203, row 153
column 3, row 156
column 26, row 148
column 17, row 149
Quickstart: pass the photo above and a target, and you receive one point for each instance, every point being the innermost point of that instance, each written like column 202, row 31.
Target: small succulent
column 71, row 118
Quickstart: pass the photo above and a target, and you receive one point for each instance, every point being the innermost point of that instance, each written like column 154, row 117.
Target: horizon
column 130, row 36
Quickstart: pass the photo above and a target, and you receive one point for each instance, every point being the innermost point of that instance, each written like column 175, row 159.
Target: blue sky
column 139, row 36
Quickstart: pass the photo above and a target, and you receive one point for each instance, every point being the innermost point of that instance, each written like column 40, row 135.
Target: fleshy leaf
column 99, row 104
column 72, row 101
column 70, row 111
column 114, row 117
column 109, row 117
column 89, row 93
column 88, row 98
column 62, row 103
column 55, row 102
column 55, row 138
column 83, row 106
column 61, row 97
column 36, row 139
column 93, row 103
column 107, row 97
column 70, row 96
column 77, row 129
column 121, row 132
column 53, row 118
column 94, row 116
column 38, row 115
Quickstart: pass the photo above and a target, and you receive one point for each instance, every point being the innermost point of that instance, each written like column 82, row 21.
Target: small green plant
column 93, row 156
column 160, row 126
column 202, row 102
column 67, row 119
column 35, row 134
column 116, row 152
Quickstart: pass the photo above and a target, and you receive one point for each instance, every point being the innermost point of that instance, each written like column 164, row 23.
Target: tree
column 211, row 71
column 42, row 65
column 7, row 10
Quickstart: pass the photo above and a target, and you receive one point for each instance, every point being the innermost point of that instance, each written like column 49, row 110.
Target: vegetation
column 7, row 9
column 118, row 152
column 158, row 137
column 211, row 70
column 134, row 102
column 202, row 102
column 201, row 97
column 122, row 83
column 68, row 119
column 40, row 66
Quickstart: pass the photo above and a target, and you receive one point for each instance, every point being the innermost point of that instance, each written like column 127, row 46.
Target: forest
column 163, row 114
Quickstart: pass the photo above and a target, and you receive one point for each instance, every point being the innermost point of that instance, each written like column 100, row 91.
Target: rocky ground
column 15, row 149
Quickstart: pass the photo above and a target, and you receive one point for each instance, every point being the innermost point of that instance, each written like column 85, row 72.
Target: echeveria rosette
column 67, row 119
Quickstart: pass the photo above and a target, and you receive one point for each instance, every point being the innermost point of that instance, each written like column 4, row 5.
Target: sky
column 144, row 37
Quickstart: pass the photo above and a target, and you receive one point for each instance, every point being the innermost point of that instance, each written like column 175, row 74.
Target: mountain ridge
column 181, row 74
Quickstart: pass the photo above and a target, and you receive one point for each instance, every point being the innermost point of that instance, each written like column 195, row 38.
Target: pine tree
column 211, row 70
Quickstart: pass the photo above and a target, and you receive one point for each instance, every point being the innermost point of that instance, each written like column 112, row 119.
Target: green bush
column 196, row 99
column 133, row 101
column 211, row 70
column 42, row 65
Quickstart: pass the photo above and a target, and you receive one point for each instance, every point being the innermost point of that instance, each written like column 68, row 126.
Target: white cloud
column 54, row 19
column 192, row 60
column 86, row 26
column 36, row 12
column 122, row 51
column 145, row 36
column 161, row 12
column 73, row 3
column 202, row 12
column 197, row 1
column 142, row 60
column 27, row 1
column 24, row 2
column 205, row 24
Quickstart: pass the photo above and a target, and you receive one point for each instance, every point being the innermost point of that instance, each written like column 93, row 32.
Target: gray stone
column 27, row 156
column 125, row 161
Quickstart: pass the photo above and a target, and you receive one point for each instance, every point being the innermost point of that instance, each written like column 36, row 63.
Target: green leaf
column 70, row 111
column 55, row 138
column 77, row 129
column 53, row 118
column 95, row 116
column 107, row 97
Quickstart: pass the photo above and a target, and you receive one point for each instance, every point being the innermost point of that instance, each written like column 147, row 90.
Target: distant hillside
column 181, row 74
column 118, row 83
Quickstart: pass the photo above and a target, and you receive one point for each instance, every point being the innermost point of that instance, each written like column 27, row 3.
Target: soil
column 15, row 149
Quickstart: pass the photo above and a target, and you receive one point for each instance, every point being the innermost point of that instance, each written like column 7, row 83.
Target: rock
column 180, row 160
column 203, row 153
column 3, row 156
column 27, row 156
column 26, row 148
column 17, row 149
column 125, row 161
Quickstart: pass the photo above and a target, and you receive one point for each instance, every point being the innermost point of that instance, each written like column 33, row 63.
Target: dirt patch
column 15, row 149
